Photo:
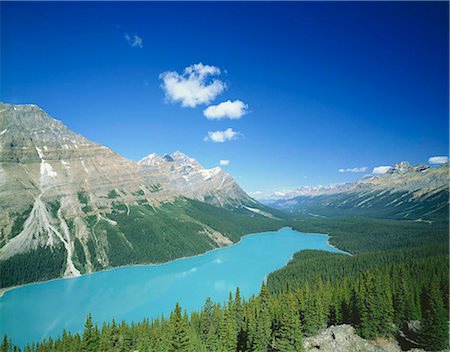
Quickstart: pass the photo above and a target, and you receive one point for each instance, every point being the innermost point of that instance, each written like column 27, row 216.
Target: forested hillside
column 399, row 278
column 140, row 234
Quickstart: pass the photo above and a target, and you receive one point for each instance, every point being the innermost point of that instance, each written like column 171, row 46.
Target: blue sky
column 327, row 86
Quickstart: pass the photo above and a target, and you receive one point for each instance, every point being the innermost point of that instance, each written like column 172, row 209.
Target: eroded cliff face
column 60, row 190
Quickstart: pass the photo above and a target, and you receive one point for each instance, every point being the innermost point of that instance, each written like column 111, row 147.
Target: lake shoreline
column 7, row 289
column 118, row 294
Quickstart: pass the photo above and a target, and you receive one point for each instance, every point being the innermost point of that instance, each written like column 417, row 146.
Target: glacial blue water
column 31, row 313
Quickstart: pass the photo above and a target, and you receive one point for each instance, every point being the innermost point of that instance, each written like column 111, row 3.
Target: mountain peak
column 26, row 128
column 151, row 159
column 20, row 107
column 178, row 154
column 167, row 157
column 402, row 167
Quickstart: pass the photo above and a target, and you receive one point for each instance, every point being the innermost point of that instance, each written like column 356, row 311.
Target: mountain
column 405, row 192
column 70, row 206
column 190, row 179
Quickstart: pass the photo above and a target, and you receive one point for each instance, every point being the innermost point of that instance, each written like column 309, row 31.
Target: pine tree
column 125, row 338
column 239, row 312
column 207, row 325
column 374, row 306
column 434, row 333
column 383, row 313
column 105, row 339
column 179, row 336
column 115, row 336
column 402, row 298
column 206, row 318
column 263, row 333
column 239, row 316
column 5, row 344
column 90, row 337
column 227, row 331
column 289, row 337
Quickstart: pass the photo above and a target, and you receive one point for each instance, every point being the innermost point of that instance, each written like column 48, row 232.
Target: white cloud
column 354, row 169
column 227, row 109
column 134, row 41
column 193, row 87
column 222, row 136
column 438, row 160
column 380, row 170
column 224, row 162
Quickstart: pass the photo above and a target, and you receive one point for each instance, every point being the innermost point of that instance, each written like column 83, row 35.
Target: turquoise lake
column 31, row 313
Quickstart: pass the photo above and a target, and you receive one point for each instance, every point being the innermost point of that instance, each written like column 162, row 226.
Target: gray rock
column 341, row 338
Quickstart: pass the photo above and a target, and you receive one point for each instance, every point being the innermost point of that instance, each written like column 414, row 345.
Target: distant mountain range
column 70, row 206
column 404, row 192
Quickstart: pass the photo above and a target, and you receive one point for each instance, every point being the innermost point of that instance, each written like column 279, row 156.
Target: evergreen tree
column 403, row 299
column 434, row 333
column 90, row 337
column 263, row 332
column 115, row 336
column 5, row 344
column 179, row 336
column 227, row 331
column 289, row 337
column 383, row 312
column 125, row 341
column 239, row 316
column 374, row 306
column 206, row 318
column 238, row 310
column 105, row 339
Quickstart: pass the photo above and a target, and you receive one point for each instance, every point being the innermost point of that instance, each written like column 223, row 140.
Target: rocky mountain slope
column 190, row 179
column 405, row 192
column 70, row 206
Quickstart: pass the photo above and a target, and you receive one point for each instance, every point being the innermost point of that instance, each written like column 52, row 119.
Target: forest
column 399, row 277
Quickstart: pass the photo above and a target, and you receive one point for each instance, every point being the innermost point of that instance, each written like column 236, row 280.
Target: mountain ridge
column 80, row 203
column 405, row 191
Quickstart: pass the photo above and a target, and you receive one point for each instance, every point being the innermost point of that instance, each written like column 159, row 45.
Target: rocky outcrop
column 340, row 338
column 343, row 338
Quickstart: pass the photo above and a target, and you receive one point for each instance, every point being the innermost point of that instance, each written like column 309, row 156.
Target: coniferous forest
column 402, row 278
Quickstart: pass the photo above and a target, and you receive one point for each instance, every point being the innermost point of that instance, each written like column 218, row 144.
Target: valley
column 73, row 209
